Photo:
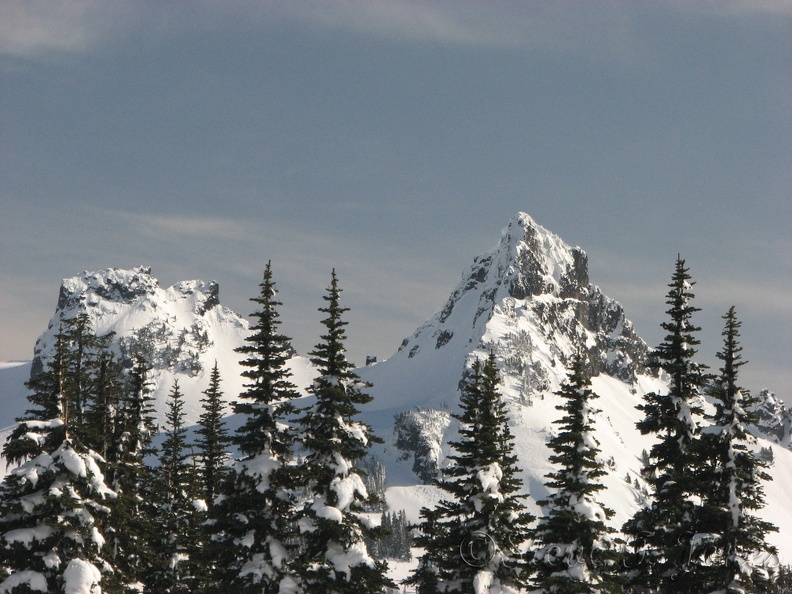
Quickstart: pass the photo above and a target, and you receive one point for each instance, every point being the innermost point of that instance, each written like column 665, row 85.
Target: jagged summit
column 534, row 261
column 774, row 418
column 182, row 329
column 121, row 286
column 530, row 301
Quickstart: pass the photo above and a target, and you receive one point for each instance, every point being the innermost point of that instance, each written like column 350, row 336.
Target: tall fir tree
column 63, row 389
column 45, row 393
column 662, row 533
column 473, row 541
column 180, row 509
column 433, row 536
column 736, row 476
column 102, row 412
column 212, row 439
column 213, row 450
column 131, row 527
column 54, row 505
column 252, row 520
column 574, row 549
column 85, row 346
column 333, row 557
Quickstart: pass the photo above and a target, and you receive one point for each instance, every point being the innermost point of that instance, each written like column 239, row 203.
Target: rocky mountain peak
column 539, row 262
column 126, row 287
column 181, row 330
column 774, row 419
column 112, row 284
column 531, row 303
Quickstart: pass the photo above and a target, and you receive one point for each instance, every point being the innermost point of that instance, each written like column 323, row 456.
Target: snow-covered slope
column 13, row 401
column 183, row 330
column 530, row 302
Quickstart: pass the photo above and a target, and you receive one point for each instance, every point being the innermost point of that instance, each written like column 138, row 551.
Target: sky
column 392, row 140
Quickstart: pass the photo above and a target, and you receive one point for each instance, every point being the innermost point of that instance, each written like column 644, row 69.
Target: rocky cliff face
column 775, row 420
column 171, row 327
column 181, row 330
column 530, row 301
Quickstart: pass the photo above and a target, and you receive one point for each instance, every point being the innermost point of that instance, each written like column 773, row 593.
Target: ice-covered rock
column 775, row 420
column 181, row 330
column 530, row 302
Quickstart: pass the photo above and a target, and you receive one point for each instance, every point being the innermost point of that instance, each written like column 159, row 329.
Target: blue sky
column 393, row 140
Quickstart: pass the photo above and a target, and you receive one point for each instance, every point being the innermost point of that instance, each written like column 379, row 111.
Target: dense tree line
column 699, row 533
column 93, row 504
column 279, row 505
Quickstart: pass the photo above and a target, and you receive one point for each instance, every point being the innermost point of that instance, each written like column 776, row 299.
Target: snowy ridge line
column 528, row 301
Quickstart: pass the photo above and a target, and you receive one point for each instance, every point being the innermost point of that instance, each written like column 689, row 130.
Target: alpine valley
column 529, row 301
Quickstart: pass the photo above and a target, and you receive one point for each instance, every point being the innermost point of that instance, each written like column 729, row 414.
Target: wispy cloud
column 184, row 226
column 509, row 25
column 772, row 7
column 36, row 28
column 602, row 29
column 459, row 22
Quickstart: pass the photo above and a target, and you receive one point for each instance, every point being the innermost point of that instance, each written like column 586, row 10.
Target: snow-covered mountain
column 529, row 301
column 182, row 329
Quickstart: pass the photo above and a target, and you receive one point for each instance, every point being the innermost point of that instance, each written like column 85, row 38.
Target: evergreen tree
column 105, row 399
column 253, row 520
column 334, row 557
column 42, row 428
column 212, row 440
column 132, row 527
column 473, row 539
column 52, row 509
column 400, row 543
column 783, row 582
column 54, row 505
column 179, row 508
column 575, row 553
column 395, row 542
column 85, row 348
column 736, row 478
column 374, row 478
column 662, row 533
column 432, row 536
column 61, row 390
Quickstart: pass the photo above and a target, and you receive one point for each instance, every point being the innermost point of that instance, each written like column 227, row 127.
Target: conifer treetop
column 213, row 439
column 334, row 556
column 267, row 350
column 736, row 475
column 574, row 546
column 269, row 392
column 329, row 356
column 253, row 530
